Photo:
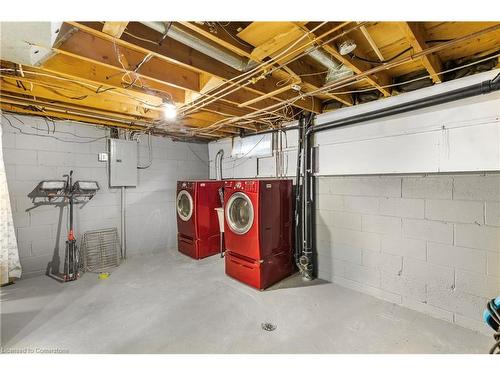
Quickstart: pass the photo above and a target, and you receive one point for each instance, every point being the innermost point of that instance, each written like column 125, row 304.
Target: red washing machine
column 198, row 228
column 258, row 231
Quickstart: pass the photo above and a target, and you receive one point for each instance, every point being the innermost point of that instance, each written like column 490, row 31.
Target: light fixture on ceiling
column 347, row 47
column 169, row 110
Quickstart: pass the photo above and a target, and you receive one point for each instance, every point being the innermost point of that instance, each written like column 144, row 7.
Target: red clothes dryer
column 258, row 231
column 198, row 229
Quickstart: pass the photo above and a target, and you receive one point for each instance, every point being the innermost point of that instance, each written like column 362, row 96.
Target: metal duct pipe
column 239, row 63
column 336, row 70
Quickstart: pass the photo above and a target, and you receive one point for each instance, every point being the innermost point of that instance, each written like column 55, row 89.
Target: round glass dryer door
column 184, row 205
column 239, row 213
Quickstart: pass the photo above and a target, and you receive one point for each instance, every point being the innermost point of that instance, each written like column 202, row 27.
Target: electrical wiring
column 127, row 71
column 286, row 105
column 202, row 94
column 348, row 81
column 219, row 124
column 245, row 76
column 93, row 88
column 232, row 37
column 420, row 78
column 307, row 52
column 269, row 62
column 54, row 127
column 375, row 62
column 136, row 69
column 48, row 135
column 141, row 38
column 256, row 68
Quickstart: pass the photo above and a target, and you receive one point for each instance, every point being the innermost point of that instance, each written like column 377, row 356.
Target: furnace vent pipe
column 176, row 33
column 336, row 70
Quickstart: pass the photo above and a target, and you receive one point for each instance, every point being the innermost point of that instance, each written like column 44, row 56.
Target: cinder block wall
column 150, row 207
column 430, row 243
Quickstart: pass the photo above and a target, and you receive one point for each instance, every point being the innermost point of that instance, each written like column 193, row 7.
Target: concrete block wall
column 150, row 207
column 427, row 242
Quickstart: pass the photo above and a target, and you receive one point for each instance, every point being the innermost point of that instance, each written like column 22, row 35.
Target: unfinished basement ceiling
column 227, row 77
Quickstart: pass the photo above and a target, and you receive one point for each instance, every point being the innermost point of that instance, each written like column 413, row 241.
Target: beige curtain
column 10, row 267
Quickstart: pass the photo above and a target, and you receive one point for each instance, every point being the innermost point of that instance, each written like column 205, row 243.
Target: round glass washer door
column 184, row 205
column 239, row 213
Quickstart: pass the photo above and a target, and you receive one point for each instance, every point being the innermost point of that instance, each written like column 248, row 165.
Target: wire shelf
column 100, row 250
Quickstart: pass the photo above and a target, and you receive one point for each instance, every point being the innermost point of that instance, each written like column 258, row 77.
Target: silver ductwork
column 336, row 70
column 239, row 63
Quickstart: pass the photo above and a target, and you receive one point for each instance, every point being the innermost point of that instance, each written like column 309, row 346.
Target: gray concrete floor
column 168, row 303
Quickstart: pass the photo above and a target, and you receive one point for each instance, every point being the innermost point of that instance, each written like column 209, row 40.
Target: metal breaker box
column 122, row 163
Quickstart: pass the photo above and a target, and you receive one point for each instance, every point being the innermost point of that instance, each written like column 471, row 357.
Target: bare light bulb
column 169, row 111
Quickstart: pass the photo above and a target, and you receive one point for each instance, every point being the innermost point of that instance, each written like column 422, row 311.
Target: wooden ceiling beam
column 114, row 29
column 416, row 36
column 140, row 37
column 220, row 38
column 66, row 115
column 102, row 52
column 258, row 53
column 106, row 52
column 44, row 103
column 295, row 71
column 79, row 69
column 62, row 95
column 82, row 78
column 371, row 42
column 378, row 80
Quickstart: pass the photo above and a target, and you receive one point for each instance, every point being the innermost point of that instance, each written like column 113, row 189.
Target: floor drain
column 268, row 326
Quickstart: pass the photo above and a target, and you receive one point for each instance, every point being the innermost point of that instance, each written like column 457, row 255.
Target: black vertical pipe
column 306, row 260
column 298, row 192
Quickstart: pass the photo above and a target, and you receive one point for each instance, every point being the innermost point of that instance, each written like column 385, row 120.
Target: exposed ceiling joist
column 378, row 80
column 65, row 95
column 147, row 40
column 284, row 43
column 80, row 69
column 371, row 42
column 120, row 73
column 108, row 53
column 415, row 34
column 115, row 29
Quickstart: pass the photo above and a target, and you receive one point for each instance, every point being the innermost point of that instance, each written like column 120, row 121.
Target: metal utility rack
column 62, row 192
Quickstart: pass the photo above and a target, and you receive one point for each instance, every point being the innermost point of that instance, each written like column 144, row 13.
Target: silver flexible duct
column 336, row 70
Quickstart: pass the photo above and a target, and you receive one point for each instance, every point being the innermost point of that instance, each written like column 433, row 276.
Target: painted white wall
column 460, row 136
column 150, row 207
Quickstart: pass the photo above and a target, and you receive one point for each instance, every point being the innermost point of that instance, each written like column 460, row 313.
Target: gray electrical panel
column 122, row 162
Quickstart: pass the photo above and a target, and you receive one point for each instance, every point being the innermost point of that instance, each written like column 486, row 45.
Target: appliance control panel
column 250, row 186
column 185, row 184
